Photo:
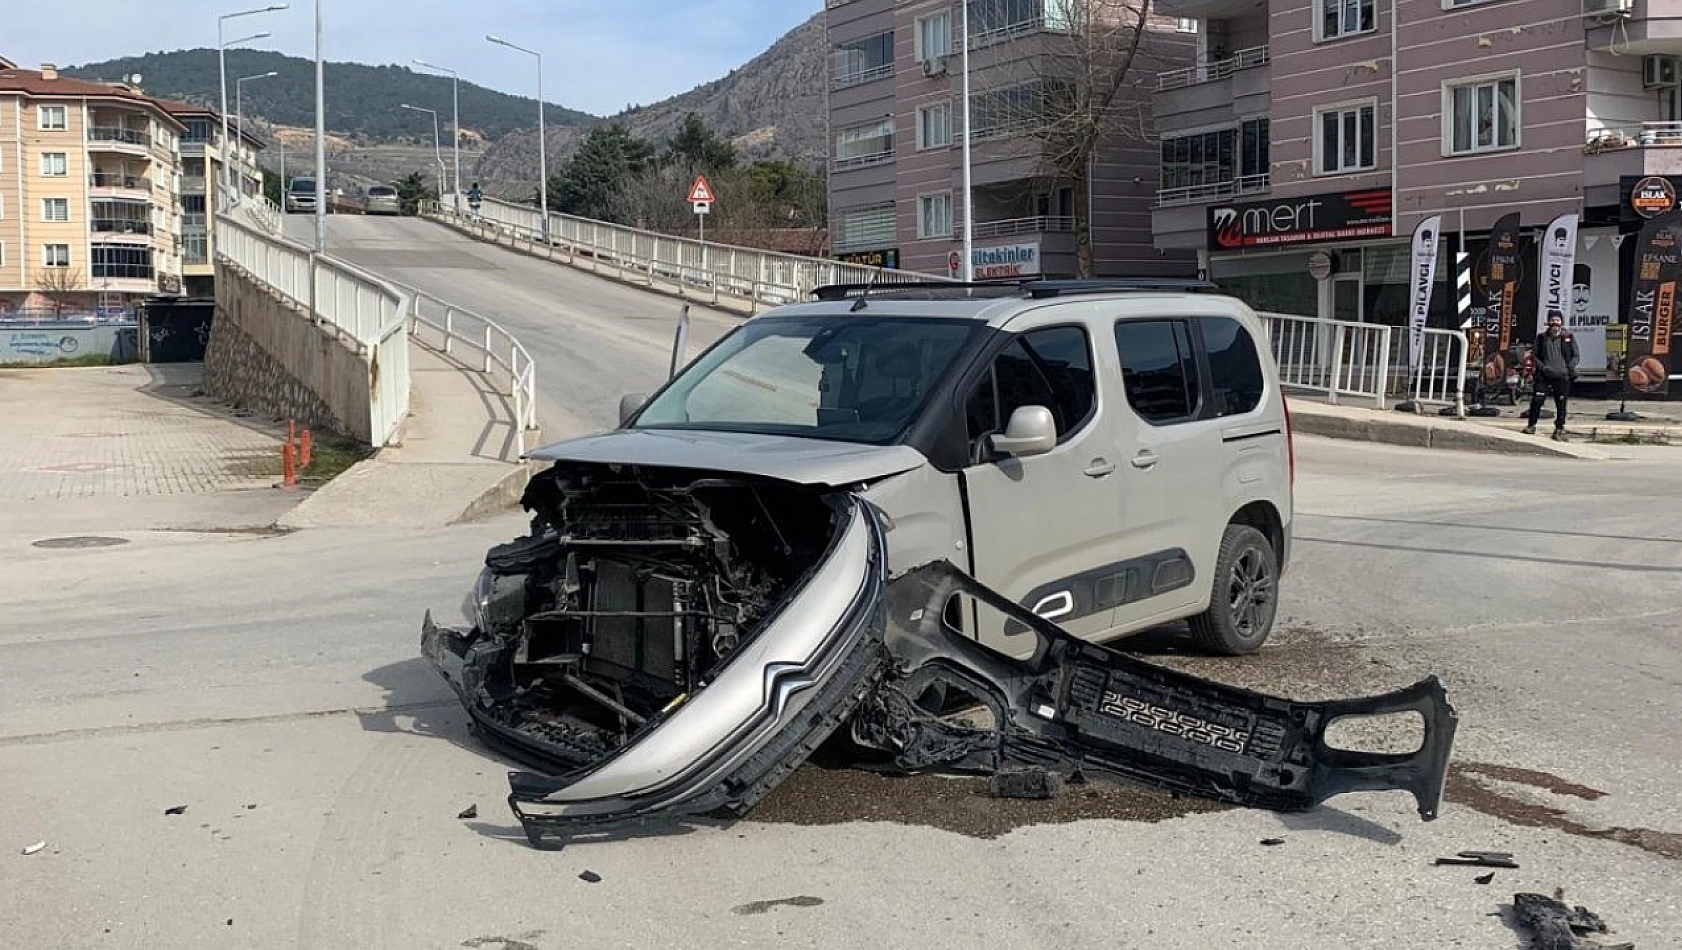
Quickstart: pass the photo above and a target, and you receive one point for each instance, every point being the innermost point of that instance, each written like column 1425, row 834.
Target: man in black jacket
column 1554, row 361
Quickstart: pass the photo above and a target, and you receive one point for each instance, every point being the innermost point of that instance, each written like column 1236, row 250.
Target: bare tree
column 1064, row 85
column 59, row 285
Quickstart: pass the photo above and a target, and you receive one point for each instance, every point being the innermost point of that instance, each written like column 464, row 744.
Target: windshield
column 303, row 184
column 849, row 378
column 379, row 191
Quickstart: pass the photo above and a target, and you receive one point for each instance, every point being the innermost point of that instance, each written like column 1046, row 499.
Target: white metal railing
column 1439, row 372
column 1646, row 135
column 1214, row 69
column 1213, row 191
column 1335, row 357
column 1008, row 226
column 702, row 271
column 372, row 315
column 458, row 328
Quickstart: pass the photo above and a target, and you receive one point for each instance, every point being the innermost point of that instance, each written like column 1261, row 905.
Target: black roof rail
column 1036, row 288
column 1102, row 285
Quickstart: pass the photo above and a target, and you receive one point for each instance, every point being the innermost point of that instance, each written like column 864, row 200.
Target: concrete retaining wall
column 23, row 344
column 267, row 356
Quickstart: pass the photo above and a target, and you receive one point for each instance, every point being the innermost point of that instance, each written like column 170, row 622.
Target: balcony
column 192, row 184
column 105, row 184
column 864, row 161
column 1007, row 227
column 1205, row 9
column 1215, row 70
column 119, row 139
column 1633, row 27
column 1213, row 191
column 1611, row 153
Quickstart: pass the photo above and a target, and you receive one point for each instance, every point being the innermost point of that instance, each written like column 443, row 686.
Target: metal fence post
column 1337, row 363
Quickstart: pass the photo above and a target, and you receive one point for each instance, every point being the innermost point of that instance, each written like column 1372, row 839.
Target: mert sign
column 1337, row 216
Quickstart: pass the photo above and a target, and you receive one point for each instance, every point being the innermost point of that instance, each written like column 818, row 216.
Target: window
column 862, row 60
column 1205, row 159
column 1344, row 139
column 1158, row 369
column 934, row 215
column 55, row 255
column 1481, row 116
column 865, row 144
column 54, row 164
column 1345, row 18
column 1051, row 368
column 122, row 261
column 1000, row 112
column 934, row 126
column 1185, row 24
column 934, row 36
column 1235, row 372
column 2, row 253
column 51, row 118
column 55, row 209
column 867, row 228
column 991, row 20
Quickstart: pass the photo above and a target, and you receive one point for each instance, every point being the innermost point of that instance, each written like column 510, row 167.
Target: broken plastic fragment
column 471, row 811
column 1025, row 783
column 36, row 847
column 176, row 810
column 590, row 877
column 1558, row 927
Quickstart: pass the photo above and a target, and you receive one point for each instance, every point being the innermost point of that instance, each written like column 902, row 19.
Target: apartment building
column 203, row 157
column 896, row 126
column 89, row 193
column 1305, row 139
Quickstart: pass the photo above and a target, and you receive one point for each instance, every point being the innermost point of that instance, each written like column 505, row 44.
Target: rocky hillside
column 771, row 107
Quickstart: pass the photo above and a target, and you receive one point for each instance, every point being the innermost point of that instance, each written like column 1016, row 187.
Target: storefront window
column 1276, row 283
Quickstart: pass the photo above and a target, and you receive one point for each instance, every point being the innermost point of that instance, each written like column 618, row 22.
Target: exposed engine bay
column 630, row 593
column 666, row 645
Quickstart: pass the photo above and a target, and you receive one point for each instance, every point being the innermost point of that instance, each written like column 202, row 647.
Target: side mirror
column 1030, row 431
column 629, row 404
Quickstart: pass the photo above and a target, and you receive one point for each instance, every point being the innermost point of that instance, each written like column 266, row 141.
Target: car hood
column 815, row 462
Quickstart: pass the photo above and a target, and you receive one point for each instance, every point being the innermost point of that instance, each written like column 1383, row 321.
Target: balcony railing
column 864, row 161
column 1214, row 70
column 192, row 184
column 120, row 180
column 1646, row 135
column 862, row 76
column 123, row 271
column 112, row 134
column 120, row 226
column 985, row 36
column 1008, row 226
column 1212, row 191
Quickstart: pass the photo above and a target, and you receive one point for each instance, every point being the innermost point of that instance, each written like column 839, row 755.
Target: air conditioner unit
column 1658, row 72
column 1607, row 8
column 934, row 66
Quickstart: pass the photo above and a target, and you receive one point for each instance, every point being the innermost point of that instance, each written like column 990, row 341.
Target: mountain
column 362, row 101
column 770, row 107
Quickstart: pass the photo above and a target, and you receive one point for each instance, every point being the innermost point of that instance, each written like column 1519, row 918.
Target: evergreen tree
column 697, row 148
column 591, row 183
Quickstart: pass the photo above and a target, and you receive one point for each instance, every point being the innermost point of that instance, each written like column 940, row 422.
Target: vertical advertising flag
column 1652, row 308
column 1558, row 260
column 1500, row 275
column 1422, row 275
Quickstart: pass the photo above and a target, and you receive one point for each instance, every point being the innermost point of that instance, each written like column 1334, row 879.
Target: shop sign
column 1335, row 216
column 1652, row 196
column 887, row 257
column 1653, row 304
column 1005, row 261
column 1319, row 265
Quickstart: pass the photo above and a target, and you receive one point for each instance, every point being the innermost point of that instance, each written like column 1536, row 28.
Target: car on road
column 893, row 503
column 382, row 199
column 300, row 196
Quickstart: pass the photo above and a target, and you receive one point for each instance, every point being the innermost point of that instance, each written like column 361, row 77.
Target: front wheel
column 1245, row 595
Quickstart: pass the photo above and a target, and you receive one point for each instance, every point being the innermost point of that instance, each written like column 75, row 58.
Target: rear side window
column 1235, row 371
column 1158, row 369
column 1051, row 368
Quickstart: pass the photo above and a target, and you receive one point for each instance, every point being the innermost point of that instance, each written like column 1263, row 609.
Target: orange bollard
column 288, row 473
column 304, row 451
column 291, row 432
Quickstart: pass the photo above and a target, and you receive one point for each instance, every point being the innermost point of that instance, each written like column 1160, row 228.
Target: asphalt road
column 271, row 686
column 592, row 339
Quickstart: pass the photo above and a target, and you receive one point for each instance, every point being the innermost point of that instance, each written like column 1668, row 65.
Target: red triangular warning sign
column 701, row 191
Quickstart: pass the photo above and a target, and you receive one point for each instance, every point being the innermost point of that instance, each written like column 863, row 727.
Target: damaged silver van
column 914, row 512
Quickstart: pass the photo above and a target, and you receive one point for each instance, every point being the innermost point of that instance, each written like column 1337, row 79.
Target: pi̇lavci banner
column 1652, row 309
column 1558, row 260
column 1422, row 269
column 1499, row 273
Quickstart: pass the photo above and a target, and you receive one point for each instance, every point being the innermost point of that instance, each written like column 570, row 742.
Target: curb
column 1431, row 435
column 505, row 494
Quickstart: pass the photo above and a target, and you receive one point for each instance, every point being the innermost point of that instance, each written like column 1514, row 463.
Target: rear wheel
column 1245, row 595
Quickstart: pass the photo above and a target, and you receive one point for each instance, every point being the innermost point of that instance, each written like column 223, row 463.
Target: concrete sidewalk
column 458, row 458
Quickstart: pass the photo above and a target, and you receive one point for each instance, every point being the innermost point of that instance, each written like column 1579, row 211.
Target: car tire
column 1245, row 594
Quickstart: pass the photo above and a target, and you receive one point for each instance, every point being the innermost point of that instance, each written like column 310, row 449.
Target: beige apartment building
column 202, row 158
column 90, row 203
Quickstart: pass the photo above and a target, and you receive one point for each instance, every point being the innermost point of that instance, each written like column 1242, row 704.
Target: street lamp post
column 967, row 271
column 222, row 63
column 542, row 146
column 437, row 153
column 239, row 102
column 455, row 124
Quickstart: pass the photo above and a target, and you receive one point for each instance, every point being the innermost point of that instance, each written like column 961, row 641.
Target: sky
column 599, row 57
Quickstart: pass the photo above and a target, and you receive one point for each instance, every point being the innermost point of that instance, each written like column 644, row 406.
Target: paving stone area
column 126, row 431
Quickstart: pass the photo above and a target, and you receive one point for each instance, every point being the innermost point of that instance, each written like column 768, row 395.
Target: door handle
column 1144, row 460
column 1098, row 468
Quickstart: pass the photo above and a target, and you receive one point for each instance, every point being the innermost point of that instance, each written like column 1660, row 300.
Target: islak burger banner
column 1652, row 309
column 1499, row 274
